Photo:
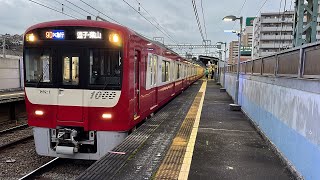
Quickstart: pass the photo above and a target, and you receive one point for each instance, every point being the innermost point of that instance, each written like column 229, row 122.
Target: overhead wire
column 284, row 11
column 292, row 16
column 282, row 18
column 204, row 21
column 53, row 9
column 276, row 34
column 240, row 11
column 154, row 19
column 81, row 8
column 148, row 21
column 101, row 12
column 197, row 18
column 70, row 8
column 264, row 3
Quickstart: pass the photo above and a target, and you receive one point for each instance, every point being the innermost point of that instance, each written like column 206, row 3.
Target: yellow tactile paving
column 176, row 164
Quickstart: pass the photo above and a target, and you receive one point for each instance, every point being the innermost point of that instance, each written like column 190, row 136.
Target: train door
column 137, row 59
column 70, row 96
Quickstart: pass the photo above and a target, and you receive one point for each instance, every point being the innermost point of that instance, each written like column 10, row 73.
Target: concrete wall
column 287, row 111
column 11, row 73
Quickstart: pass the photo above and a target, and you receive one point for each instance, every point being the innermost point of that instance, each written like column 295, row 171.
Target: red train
column 88, row 83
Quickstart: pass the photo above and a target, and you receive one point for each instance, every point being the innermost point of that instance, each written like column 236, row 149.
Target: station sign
column 249, row 21
column 89, row 34
column 55, row 34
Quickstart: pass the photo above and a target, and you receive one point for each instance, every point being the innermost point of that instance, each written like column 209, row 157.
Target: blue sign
column 55, row 34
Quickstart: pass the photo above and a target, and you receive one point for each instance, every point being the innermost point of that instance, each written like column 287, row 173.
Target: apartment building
column 246, row 43
column 273, row 32
column 233, row 51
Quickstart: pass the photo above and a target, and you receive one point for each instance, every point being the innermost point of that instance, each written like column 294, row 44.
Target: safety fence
column 302, row 62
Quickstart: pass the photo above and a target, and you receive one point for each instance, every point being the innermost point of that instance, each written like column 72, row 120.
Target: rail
column 300, row 62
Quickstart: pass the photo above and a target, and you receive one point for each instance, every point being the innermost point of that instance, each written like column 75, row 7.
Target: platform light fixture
column 230, row 18
column 236, row 105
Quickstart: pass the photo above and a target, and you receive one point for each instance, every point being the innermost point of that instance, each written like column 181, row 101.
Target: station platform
column 11, row 96
column 195, row 136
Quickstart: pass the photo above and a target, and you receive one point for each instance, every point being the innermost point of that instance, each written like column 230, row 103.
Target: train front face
column 74, row 90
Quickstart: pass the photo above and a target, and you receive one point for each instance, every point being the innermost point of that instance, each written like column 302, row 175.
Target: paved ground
column 228, row 146
column 143, row 161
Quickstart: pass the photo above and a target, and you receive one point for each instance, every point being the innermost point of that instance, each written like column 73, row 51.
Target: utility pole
column 310, row 28
column 236, row 99
column 218, row 69
column 4, row 46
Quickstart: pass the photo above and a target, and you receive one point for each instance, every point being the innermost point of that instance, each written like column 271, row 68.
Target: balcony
column 276, row 45
column 266, row 53
column 272, row 37
column 265, row 29
column 274, row 20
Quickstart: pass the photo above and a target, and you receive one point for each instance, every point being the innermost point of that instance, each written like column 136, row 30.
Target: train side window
column 165, row 71
column 151, row 70
column 105, row 68
column 178, row 71
column 163, row 66
column 155, row 62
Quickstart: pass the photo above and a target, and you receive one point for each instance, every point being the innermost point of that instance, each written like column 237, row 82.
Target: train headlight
column 30, row 37
column 38, row 113
column 114, row 38
column 107, row 116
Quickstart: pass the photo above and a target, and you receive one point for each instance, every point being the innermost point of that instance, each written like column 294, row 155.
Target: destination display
column 55, row 34
column 89, row 34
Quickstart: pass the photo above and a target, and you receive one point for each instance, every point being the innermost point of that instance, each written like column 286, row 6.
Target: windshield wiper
column 105, row 85
column 42, row 74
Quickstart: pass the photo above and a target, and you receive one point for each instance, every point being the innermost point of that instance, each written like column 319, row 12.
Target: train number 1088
column 96, row 95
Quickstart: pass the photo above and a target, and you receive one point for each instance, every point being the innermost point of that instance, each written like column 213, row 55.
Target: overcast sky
column 176, row 16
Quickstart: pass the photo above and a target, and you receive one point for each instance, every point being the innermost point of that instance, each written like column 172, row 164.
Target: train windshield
column 105, row 67
column 76, row 68
column 38, row 66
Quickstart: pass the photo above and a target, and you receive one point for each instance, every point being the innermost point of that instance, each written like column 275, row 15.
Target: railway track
column 40, row 170
column 13, row 136
column 15, row 142
column 13, row 129
column 59, row 168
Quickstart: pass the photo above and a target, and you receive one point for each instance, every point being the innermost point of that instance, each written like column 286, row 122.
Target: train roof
column 84, row 23
column 98, row 24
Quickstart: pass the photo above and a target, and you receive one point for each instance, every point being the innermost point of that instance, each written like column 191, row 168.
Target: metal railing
column 300, row 62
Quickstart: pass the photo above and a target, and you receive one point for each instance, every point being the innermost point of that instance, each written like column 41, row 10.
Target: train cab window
column 70, row 70
column 38, row 66
column 105, row 68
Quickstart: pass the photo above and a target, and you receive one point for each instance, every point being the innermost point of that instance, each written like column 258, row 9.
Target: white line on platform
column 229, row 130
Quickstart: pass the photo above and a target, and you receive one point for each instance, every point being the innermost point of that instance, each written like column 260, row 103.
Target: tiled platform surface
column 229, row 147
column 144, row 149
